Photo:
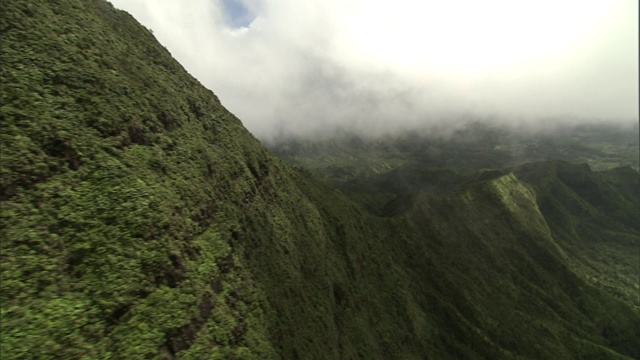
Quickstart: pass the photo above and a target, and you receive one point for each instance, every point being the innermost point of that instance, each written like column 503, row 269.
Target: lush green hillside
column 141, row 220
column 507, row 273
column 594, row 218
column 591, row 216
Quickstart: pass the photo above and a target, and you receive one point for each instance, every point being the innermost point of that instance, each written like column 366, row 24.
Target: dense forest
column 140, row 219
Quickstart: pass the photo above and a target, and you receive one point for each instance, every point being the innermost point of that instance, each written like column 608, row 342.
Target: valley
column 141, row 220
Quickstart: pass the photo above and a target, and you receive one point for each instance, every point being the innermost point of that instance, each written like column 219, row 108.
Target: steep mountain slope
column 591, row 216
column 121, row 180
column 509, row 265
column 594, row 217
column 140, row 219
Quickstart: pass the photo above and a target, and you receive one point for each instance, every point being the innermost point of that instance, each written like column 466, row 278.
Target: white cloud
column 308, row 65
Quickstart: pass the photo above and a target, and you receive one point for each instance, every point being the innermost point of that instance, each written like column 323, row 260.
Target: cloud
column 304, row 66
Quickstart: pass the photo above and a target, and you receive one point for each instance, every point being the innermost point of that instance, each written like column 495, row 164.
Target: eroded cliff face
column 141, row 220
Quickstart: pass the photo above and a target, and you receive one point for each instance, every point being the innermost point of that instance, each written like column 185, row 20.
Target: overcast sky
column 303, row 66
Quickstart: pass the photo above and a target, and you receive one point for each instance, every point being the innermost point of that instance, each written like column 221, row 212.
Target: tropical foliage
column 139, row 219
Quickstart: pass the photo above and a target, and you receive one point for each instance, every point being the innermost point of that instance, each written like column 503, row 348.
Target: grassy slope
column 141, row 220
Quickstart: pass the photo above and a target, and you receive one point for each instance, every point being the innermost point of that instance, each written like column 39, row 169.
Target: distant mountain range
column 473, row 146
column 140, row 219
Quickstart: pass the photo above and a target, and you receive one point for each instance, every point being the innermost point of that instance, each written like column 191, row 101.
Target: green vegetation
column 472, row 146
column 139, row 219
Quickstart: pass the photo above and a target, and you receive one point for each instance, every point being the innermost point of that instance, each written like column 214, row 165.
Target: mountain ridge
column 139, row 219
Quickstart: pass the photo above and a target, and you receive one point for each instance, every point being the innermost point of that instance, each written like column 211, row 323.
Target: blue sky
column 237, row 14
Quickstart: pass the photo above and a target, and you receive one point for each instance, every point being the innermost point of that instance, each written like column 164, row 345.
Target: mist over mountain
column 140, row 219
column 378, row 66
column 470, row 146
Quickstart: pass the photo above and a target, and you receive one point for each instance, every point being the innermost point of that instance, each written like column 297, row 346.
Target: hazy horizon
column 303, row 67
